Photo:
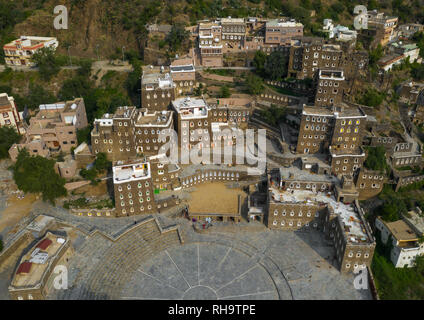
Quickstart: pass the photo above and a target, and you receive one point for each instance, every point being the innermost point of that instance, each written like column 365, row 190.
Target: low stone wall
column 210, row 176
column 75, row 185
column 280, row 98
column 7, row 252
column 104, row 213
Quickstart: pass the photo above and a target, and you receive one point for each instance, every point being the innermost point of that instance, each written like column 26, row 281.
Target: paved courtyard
column 231, row 261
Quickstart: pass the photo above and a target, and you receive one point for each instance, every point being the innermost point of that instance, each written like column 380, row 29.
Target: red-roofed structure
column 24, row 267
column 43, row 245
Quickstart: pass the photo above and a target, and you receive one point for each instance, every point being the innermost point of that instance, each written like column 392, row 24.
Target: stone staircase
column 123, row 257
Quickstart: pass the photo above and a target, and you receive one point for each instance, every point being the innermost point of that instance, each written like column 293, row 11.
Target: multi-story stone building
column 409, row 92
column 192, row 115
column 9, row 114
column 329, row 87
column 405, row 242
column 53, row 129
column 133, row 188
column 383, row 26
column 233, row 33
column 369, row 183
column 300, row 209
column 339, row 130
column 312, row 54
column 157, row 88
column 19, row 52
column 130, row 132
column 183, row 74
column 210, row 45
column 281, row 31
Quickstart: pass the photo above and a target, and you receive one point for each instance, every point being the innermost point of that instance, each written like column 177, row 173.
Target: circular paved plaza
column 199, row 271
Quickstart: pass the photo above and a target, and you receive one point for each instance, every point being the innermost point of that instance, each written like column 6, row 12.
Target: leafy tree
column 37, row 95
column 259, row 62
column 372, row 98
column 224, row 92
column 376, row 159
column 274, row 115
column 8, row 136
column 36, row 174
column 254, row 84
column 417, row 71
column 276, row 66
column 102, row 163
column 46, row 61
column 375, row 55
column 83, row 135
column 176, row 37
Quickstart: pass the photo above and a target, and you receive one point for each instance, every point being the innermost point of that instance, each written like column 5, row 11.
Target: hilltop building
column 19, row 52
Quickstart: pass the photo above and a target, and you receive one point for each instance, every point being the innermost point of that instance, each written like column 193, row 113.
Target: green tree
column 276, row 66
column 8, row 136
column 102, row 163
column 224, row 92
column 259, row 62
column 372, row 98
column 254, row 84
column 46, row 62
column 176, row 37
column 36, row 174
column 376, row 159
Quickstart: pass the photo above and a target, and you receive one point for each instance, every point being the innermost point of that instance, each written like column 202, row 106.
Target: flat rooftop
column 355, row 230
column 130, row 171
column 417, row 220
column 191, row 107
column 154, row 119
column 296, row 174
column 401, row 231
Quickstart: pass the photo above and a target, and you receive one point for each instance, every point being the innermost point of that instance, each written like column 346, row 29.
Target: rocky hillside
column 103, row 27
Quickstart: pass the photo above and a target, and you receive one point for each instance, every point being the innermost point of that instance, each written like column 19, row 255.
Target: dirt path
column 16, row 210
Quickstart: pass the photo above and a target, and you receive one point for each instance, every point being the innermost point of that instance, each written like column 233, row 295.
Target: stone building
column 183, row 74
column 19, row 52
column 405, row 242
column 369, row 183
column 383, row 26
column 157, row 88
column 31, row 279
column 133, row 188
column 344, row 224
column 210, row 45
column 53, row 129
column 329, row 87
column 130, row 132
column 192, row 116
column 281, row 31
column 338, row 129
column 9, row 114
column 312, row 54
column 409, row 92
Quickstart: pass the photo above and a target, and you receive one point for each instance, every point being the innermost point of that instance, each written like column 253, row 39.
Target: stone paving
column 243, row 261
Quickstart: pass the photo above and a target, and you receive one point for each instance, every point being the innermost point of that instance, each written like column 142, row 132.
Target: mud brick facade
column 131, row 132
column 133, row 188
column 369, row 183
column 157, row 88
column 329, row 87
